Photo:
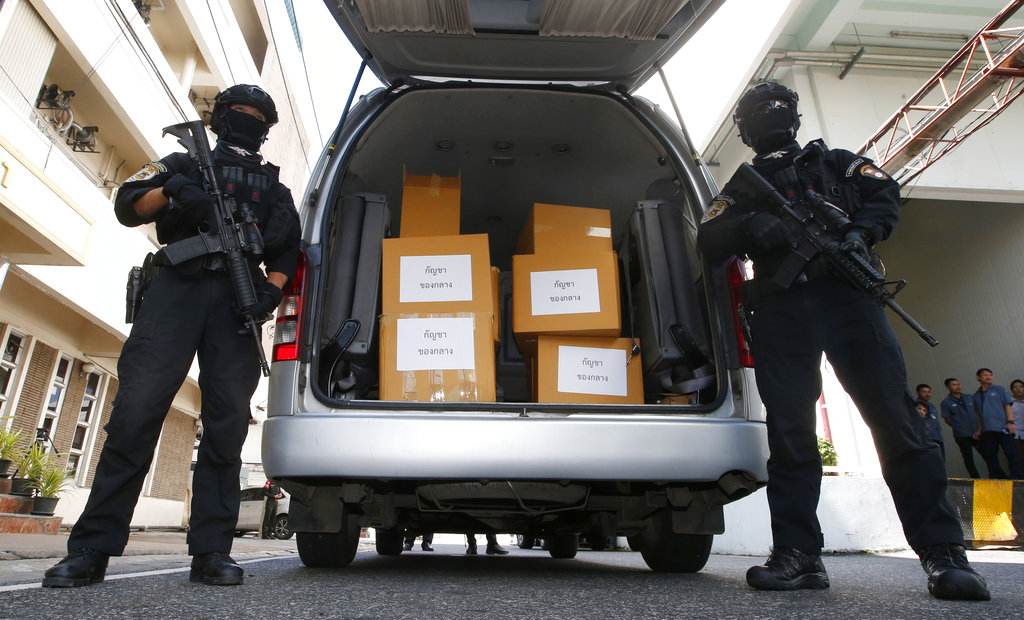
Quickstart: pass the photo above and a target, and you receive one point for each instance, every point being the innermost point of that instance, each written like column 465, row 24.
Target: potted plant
column 9, row 450
column 53, row 481
column 30, row 469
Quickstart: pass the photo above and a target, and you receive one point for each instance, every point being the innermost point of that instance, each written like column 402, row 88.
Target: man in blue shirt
column 932, row 429
column 924, row 394
column 958, row 412
column 995, row 426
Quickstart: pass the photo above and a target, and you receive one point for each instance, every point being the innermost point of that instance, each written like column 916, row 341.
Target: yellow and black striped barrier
column 990, row 511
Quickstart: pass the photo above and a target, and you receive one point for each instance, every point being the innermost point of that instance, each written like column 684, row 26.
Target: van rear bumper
column 425, row 446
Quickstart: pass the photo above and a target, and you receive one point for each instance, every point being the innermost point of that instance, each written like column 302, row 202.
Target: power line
column 220, row 40
column 124, row 23
column 284, row 80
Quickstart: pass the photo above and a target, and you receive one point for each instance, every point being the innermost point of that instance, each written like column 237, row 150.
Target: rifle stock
column 820, row 226
column 234, row 241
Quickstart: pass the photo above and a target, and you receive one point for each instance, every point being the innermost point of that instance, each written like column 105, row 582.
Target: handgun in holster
column 138, row 282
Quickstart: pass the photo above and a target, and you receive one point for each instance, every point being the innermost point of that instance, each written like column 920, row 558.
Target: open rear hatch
column 620, row 43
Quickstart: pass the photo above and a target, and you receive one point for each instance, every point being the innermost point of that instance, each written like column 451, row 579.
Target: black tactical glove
column 189, row 202
column 768, row 231
column 268, row 298
column 855, row 241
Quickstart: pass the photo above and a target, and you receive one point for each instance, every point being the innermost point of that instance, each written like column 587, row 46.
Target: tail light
column 737, row 274
column 287, row 328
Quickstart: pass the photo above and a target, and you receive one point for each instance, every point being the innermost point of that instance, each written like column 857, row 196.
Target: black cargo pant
column 790, row 330
column 180, row 318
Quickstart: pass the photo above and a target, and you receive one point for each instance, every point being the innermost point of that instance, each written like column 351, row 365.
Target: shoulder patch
column 718, row 205
column 870, row 171
column 148, row 171
column 853, row 166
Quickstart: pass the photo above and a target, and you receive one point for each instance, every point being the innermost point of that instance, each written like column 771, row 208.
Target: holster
column 139, row 279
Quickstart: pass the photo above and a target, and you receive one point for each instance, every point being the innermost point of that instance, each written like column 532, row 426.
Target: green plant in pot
column 53, row 481
column 30, row 469
column 9, row 449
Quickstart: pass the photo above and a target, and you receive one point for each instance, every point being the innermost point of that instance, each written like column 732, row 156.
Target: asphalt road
column 524, row 584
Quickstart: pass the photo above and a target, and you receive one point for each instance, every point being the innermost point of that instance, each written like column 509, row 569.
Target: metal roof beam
column 957, row 101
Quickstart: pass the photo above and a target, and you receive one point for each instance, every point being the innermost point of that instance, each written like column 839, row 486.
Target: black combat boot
column 216, row 568
column 471, row 546
column 789, row 569
column 81, row 567
column 950, row 575
column 426, row 547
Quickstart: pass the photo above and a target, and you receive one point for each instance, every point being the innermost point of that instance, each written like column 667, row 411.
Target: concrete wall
column 856, row 514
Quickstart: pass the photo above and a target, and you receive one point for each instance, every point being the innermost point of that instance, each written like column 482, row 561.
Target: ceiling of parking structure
column 941, row 25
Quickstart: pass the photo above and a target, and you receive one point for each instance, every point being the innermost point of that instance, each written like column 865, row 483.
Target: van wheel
column 389, row 542
column 281, row 531
column 525, row 542
column 330, row 549
column 668, row 552
column 563, row 546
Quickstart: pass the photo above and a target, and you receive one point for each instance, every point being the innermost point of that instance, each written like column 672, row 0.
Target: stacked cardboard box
column 437, row 328
column 566, row 308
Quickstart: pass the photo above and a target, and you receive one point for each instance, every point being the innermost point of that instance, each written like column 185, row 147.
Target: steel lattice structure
column 976, row 84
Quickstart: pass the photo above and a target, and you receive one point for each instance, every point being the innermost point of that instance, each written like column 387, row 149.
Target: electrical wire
column 287, row 90
column 220, row 40
column 124, row 23
column 309, row 89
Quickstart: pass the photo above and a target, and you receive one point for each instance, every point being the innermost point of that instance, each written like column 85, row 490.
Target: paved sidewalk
column 35, row 546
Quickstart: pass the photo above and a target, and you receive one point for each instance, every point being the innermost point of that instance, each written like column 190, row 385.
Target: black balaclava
column 770, row 131
column 245, row 130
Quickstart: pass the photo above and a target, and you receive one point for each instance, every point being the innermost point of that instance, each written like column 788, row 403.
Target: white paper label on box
column 435, row 278
column 435, row 344
column 569, row 291
column 589, row 370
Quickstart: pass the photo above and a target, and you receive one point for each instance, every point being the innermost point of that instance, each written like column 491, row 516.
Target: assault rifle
column 236, row 240
column 820, row 226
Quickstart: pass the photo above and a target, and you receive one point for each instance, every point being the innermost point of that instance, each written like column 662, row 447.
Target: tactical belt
column 180, row 251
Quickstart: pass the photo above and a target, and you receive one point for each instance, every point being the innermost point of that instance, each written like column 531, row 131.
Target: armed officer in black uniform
column 821, row 312
column 189, row 310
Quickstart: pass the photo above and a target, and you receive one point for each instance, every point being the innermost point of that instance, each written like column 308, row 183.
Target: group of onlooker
column 985, row 421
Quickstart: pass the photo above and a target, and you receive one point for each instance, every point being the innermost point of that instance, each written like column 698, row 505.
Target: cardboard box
column 553, row 228
column 436, row 274
column 677, row 399
column 588, row 370
column 437, row 357
column 430, row 206
column 564, row 294
column 496, row 304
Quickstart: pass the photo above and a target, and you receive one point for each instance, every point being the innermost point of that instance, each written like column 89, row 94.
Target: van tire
column 525, row 542
column 389, row 542
column 666, row 551
column 330, row 549
column 563, row 546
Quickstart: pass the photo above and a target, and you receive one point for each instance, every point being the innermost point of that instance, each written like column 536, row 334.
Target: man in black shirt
column 189, row 309
column 791, row 326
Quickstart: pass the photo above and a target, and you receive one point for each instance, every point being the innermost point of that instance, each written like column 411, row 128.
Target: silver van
column 526, row 102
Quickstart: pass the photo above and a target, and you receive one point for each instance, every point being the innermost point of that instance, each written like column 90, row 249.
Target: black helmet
column 748, row 104
column 241, row 93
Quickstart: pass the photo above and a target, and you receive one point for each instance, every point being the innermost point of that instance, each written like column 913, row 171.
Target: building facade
column 85, row 90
